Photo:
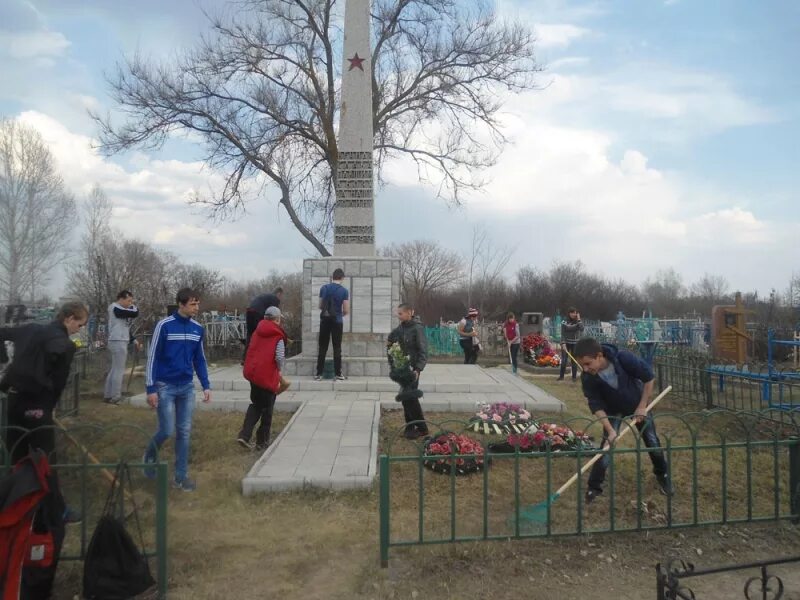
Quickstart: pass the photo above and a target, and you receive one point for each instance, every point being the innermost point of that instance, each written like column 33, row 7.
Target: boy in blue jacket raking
column 617, row 384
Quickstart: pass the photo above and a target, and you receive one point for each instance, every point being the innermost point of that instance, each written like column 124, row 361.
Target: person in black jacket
column 37, row 376
column 255, row 312
column 571, row 330
column 617, row 383
column 410, row 335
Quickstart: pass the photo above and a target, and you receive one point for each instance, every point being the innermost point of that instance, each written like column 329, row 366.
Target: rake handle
column 577, row 364
column 598, row 456
column 108, row 475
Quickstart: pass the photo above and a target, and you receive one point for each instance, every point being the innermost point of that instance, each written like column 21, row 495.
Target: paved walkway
column 332, row 439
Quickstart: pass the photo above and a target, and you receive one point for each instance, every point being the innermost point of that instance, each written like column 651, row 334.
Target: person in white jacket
column 120, row 315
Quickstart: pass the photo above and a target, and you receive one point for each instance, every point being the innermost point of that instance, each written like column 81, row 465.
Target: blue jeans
column 175, row 407
column 647, row 429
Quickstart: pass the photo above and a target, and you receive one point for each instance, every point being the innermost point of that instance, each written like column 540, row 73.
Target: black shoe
column 559, row 379
column 261, row 447
column 112, row 401
column 665, row 485
column 591, row 495
column 246, row 444
column 317, row 377
column 412, row 434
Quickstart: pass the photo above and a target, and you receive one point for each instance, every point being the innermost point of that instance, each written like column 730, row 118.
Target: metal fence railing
column 727, row 468
column 715, row 384
column 85, row 482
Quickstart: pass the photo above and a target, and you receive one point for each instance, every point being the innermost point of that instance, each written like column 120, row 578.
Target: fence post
column 161, row 527
column 708, row 391
column 660, row 582
column 794, row 480
column 384, row 509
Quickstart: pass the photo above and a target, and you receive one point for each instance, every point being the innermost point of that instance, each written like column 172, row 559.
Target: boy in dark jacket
column 617, row 383
column 410, row 335
column 36, row 378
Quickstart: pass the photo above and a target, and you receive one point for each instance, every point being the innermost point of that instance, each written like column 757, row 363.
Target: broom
column 537, row 513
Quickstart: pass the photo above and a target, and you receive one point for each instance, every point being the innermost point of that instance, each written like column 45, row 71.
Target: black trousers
column 566, row 359
column 262, row 403
column 514, row 348
column 30, row 425
column 412, row 410
column 470, row 351
column 330, row 330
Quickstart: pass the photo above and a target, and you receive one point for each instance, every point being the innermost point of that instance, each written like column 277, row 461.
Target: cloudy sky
column 664, row 135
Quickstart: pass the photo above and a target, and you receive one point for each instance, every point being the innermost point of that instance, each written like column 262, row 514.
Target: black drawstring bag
column 115, row 569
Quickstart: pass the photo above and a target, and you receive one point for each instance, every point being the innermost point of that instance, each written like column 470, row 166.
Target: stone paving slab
column 331, row 440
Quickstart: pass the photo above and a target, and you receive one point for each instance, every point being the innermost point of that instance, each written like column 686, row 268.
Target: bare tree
column 664, row 292
column 262, row 92
column 425, row 267
column 37, row 213
column 711, row 287
column 108, row 262
column 486, row 262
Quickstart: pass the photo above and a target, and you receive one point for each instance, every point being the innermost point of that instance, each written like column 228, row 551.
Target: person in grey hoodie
column 120, row 315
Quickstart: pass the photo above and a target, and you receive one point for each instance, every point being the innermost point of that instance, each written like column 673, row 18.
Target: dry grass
column 320, row 545
column 701, row 497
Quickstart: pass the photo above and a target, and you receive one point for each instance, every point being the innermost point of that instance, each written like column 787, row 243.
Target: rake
column 538, row 513
column 577, row 364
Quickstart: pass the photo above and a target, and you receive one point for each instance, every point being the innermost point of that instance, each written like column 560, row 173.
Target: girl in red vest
column 262, row 368
column 511, row 331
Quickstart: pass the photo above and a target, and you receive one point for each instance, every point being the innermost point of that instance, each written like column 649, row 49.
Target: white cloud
column 557, row 35
column 700, row 103
column 33, row 44
column 150, row 202
column 171, row 235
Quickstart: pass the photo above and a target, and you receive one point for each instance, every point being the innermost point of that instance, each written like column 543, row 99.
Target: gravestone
column 373, row 281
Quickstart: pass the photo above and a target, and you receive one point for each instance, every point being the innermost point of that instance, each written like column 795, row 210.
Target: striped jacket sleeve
column 156, row 346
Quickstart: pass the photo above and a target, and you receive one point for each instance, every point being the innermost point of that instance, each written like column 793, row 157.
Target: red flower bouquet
column 440, row 449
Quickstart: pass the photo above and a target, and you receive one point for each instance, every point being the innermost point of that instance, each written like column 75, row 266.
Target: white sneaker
column 317, row 377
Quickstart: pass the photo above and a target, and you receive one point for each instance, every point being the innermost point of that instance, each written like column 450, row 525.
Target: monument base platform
column 352, row 366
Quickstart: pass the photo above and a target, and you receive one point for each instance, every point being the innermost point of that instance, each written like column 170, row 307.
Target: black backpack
column 115, row 568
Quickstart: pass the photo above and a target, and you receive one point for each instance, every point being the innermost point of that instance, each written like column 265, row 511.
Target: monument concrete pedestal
column 374, row 286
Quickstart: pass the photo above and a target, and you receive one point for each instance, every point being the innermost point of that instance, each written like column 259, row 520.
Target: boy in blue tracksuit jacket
column 176, row 353
column 617, row 384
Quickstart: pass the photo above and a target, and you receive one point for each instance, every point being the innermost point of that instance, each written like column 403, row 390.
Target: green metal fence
column 85, row 482
column 727, row 467
column 443, row 341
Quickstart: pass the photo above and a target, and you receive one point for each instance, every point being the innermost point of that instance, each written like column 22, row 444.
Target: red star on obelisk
column 356, row 62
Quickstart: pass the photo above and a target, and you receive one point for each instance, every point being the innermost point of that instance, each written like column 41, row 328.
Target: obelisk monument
column 354, row 214
column 373, row 282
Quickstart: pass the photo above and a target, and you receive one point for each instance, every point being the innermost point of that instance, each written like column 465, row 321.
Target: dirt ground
column 313, row 544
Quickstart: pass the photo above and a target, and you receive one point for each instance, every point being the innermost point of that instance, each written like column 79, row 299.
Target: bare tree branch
column 36, row 212
column 261, row 91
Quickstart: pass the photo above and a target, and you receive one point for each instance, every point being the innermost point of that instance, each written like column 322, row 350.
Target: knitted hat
column 472, row 312
column 273, row 312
